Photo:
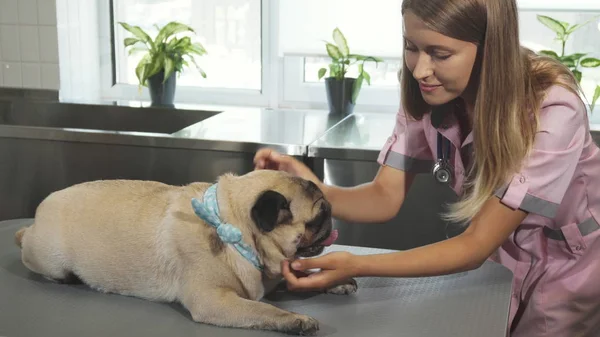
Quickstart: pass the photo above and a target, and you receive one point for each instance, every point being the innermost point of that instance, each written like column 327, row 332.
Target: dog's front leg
column 273, row 284
column 223, row 307
column 347, row 287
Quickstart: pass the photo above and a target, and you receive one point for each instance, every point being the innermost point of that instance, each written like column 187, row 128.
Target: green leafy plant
column 163, row 53
column 342, row 60
column 563, row 31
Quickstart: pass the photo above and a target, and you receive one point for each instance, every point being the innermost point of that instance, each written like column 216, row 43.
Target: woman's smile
column 428, row 88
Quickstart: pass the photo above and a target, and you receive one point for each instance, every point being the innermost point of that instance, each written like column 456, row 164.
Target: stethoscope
column 442, row 170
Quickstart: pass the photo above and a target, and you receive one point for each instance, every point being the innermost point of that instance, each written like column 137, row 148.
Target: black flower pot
column 339, row 95
column 162, row 94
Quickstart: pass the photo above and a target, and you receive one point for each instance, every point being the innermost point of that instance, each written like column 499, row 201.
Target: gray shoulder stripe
column 533, row 204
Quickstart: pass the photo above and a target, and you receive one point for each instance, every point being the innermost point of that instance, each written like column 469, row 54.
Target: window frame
column 111, row 90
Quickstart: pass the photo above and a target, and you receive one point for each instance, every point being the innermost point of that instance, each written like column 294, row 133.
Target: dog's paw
column 346, row 288
column 303, row 325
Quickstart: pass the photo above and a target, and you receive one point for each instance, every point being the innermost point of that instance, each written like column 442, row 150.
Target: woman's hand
column 335, row 268
column 268, row 159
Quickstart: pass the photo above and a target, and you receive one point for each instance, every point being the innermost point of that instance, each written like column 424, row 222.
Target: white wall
column 28, row 44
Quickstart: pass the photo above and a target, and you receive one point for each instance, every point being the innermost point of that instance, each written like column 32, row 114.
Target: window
column 229, row 30
column 536, row 36
column 268, row 52
column 232, row 31
column 373, row 30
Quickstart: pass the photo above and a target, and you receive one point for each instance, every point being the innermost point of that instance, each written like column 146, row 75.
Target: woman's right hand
column 269, row 159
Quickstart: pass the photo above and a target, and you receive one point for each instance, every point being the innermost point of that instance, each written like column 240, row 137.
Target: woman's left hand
column 335, row 268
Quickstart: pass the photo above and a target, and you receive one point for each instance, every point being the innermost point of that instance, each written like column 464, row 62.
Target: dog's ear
column 270, row 209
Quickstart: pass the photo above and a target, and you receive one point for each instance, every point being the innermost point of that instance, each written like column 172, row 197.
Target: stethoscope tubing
column 441, row 154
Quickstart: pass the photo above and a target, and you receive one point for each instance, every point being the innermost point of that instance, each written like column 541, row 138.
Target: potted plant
column 563, row 31
column 165, row 57
column 343, row 91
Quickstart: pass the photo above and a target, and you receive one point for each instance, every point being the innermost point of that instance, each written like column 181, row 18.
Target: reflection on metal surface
column 263, row 126
column 238, row 130
column 359, row 137
column 97, row 117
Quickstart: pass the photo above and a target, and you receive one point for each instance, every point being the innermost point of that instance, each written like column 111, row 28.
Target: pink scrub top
column 555, row 253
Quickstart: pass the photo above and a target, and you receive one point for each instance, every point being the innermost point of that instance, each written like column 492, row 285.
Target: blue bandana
column 209, row 212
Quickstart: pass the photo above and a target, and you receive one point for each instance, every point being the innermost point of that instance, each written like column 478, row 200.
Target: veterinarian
column 517, row 150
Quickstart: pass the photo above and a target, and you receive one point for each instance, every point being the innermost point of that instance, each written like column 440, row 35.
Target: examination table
column 474, row 303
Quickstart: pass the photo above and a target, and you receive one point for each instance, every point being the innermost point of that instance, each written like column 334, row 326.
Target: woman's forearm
column 374, row 202
column 487, row 231
column 430, row 260
column 363, row 203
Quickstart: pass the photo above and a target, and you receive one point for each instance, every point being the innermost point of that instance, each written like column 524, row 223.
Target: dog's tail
column 19, row 236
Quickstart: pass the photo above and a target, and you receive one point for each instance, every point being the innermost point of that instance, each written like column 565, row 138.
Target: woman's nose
column 423, row 68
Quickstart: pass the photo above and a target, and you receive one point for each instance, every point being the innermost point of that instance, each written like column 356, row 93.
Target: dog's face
column 288, row 211
column 295, row 214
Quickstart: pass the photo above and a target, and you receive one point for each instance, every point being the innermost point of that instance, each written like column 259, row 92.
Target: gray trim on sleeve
column 533, row 204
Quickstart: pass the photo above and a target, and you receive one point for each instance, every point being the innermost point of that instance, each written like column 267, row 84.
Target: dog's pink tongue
column 331, row 239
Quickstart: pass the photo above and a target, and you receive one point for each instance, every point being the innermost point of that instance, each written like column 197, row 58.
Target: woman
column 523, row 162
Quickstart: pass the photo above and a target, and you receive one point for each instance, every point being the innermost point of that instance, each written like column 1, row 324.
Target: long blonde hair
column 511, row 82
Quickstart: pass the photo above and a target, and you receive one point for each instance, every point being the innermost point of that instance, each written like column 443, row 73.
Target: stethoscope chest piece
column 442, row 172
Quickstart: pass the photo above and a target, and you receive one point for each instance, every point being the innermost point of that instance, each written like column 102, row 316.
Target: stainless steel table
column 474, row 303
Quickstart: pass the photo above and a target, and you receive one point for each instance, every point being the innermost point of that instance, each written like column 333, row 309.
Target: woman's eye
column 442, row 57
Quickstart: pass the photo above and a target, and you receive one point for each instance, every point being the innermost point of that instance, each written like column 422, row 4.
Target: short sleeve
column 407, row 148
column 547, row 172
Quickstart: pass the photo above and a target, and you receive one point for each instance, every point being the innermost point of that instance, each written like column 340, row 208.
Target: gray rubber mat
column 475, row 303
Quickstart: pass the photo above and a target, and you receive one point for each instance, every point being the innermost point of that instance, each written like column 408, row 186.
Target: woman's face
column 442, row 65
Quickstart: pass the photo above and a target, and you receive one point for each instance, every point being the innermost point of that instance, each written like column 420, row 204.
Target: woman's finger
column 286, row 272
column 262, row 153
column 263, row 156
column 295, row 283
column 322, row 262
column 314, row 282
column 272, row 165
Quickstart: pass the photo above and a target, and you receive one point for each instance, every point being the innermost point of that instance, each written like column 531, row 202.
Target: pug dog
column 154, row 241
